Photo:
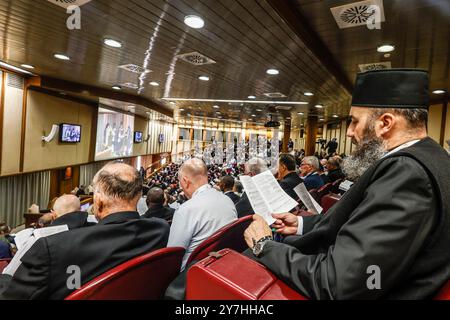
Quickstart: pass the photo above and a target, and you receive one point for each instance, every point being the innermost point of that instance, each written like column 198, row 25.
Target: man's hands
column 258, row 229
column 286, row 223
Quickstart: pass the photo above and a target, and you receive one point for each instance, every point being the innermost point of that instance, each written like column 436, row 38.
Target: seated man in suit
column 155, row 204
column 66, row 211
column 226, row 185
column 287, row 176
column 253, row 167
column 334, row 170
column 309, row 168
column 119, row 236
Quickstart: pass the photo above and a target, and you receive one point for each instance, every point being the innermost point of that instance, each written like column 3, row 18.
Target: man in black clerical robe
column 389, row 236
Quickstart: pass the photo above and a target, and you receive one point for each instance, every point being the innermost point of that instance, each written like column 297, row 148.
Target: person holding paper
column 287, row 176
column 119, row 236
column 388, row 236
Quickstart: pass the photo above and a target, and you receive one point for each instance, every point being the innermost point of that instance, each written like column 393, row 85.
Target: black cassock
column 394, row 220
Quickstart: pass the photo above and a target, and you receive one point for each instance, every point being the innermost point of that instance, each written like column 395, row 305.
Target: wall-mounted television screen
column 137, row 136
column 69, row 133
column 161, row 138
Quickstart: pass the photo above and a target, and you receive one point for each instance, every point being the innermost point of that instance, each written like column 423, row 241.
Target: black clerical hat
column 392, row 88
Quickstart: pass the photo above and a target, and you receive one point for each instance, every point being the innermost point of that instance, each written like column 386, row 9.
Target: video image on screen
column 137, row 137
column 114, row 135
column 70, row 133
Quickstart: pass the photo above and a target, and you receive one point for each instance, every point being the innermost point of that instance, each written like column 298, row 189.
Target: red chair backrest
column 328, row 201
column 142, row 278
column 444, row 293
column 314, row 194
column 335, row 186
column 3, row 264
column 230, row 236
column 324, row 190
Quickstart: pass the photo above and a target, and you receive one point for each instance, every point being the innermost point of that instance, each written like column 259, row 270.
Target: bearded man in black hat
column 388, row 237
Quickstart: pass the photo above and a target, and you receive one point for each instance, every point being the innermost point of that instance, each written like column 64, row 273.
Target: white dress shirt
column 198, row 218
column 403, row 146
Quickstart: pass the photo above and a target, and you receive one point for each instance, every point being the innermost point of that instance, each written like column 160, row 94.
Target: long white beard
column 365, row 155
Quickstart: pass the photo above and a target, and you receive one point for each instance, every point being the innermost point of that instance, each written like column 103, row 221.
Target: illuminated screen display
column 114, row 135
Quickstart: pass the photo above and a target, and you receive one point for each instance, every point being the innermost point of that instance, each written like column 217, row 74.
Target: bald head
column 194, row 169
column 192, row 175
column 117, row 188
column 66, row 204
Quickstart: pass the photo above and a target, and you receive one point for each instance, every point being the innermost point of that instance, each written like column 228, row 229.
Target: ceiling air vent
column 66, row 3
column 375, row 66
column 357, row 13
column 195, row 58
column 275, row 95
column 134, row 68
column 14, row 81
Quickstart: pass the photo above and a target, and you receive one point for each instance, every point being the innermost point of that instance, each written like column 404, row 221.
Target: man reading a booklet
column 388, row 236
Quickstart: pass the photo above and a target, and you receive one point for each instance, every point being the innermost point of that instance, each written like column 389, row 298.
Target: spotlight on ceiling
column 439, row 91
column 204, row 78
column 154, row 84
column 319, row 106
column 272, row 72
column 194, row 22
column 117, row 88
column 308, row 94
column 385, row 48
column 112, row 43
column 61, row 56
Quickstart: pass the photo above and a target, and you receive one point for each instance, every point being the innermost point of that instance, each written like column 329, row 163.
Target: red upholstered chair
column 328, row 201
column 230, row 236
column 314, row 194
column 324, row 190
column 232, row 276
column 444, row 293
column 3, row 264
column 335, row 186
column 142, row 278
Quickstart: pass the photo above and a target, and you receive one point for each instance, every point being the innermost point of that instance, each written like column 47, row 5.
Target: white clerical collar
column 403, row 146
column 201, row 189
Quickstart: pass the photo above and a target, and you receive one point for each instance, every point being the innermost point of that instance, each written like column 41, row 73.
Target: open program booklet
column 266, row 196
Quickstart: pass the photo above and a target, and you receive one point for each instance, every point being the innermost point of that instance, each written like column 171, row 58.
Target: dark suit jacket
column 335, row 175
column 73, row 220
column 395, row 219
column 289, row 182
column 313, row 181
column 233, row 196
column 161, row 212
column 243, row 207
column 114, row 240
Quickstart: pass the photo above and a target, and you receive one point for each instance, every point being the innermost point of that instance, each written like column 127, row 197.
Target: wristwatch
column 259, row 246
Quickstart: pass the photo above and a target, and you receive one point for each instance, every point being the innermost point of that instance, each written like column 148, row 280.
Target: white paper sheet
column 22, row 237
column 36, row 234
column 258, row 203
column 309, row 202
column 277, row 200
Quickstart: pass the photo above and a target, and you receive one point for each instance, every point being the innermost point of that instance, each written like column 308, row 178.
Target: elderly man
column 253, row 167
column 119, row 236
column 388, row 236
column 206, row 211
column 334, row 171
column 311, row 177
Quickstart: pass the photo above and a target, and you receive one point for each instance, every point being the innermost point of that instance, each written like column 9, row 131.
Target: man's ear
column 386, row 123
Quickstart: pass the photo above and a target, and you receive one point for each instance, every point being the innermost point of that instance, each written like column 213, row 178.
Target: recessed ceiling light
column 116, row 88
column 27, row 66
column 172, row 103
column 319, row 106
column 112, row 43
column 439, row 91
column 273, row 71
column 320, row 119
column 153, row 83
column 288, row 118
column 204, row 78
column 309, row 94
column 386, row 48
column 61, row 56
column 259, row 110
column 253, row 115
column 181, row 110
column 251, row 97
column 300, row 113
column 335, row 116
column 216, row 107
column 194, row 21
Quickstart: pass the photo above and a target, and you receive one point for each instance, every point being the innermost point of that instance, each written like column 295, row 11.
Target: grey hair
column 312, row 161
column 256, row 165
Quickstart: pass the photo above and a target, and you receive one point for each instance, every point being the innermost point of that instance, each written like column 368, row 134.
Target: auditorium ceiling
column 161, row 58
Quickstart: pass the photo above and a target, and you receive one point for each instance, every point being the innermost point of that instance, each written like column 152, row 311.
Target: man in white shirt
column 206, row 211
